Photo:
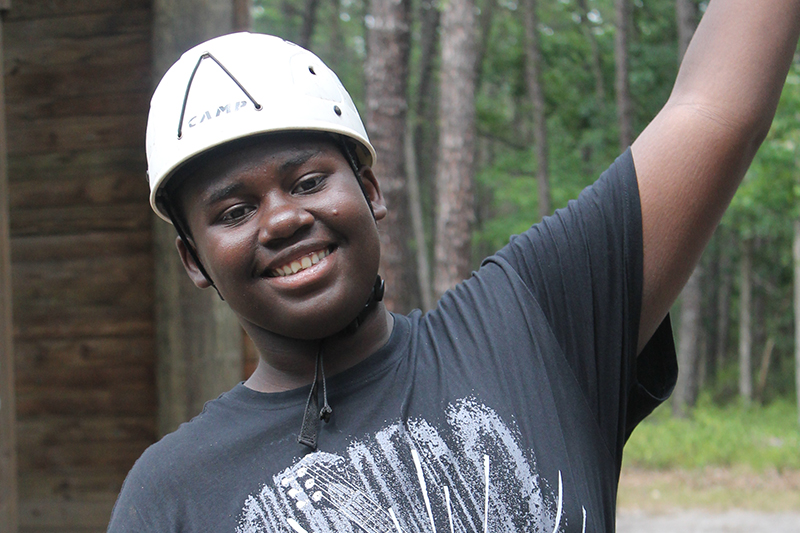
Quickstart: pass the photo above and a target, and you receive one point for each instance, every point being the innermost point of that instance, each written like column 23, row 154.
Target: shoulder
column 154, row 490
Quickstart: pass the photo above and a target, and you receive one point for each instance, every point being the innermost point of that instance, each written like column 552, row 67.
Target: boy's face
column 286, row 234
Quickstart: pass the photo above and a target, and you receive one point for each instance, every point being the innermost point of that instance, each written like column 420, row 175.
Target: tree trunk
column 309, row 21
column 596, row 63
column 484, row 28
column 336, row 40
column 710, row 320
column 420, row 151
column 686, row 12
column 8, row 414
column 455, row 215
column 386, row 72
column 415, row 209
column 766, row 359
column 242, row 19
column 624, row 106
column 424, row 113
column 723, row 304
column 745, row 322
column 796, row 258
column 533, row 77
column 685, row 393
column 198, row 339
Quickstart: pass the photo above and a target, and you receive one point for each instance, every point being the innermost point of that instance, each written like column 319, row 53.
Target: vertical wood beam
column 8, row 448
column 198, row 339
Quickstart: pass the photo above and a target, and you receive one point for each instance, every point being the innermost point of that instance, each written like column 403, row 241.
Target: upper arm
column 692, row 157
column 688, row 165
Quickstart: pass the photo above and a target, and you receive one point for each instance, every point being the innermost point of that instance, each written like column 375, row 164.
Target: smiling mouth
column 300, row 264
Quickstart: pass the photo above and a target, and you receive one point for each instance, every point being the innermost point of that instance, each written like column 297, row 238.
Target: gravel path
column 698, row 521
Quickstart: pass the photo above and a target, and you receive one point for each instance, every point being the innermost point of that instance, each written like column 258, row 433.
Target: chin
column 317, row 322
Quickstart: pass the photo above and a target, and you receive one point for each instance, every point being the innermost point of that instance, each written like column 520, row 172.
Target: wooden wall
column 77, row 79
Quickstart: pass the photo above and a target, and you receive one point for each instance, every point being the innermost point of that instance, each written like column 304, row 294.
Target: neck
column 286, row 363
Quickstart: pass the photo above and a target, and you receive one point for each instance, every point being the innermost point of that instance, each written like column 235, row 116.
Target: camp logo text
column 226, row 109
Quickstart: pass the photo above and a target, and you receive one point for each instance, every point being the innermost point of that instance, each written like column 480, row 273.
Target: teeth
column 300, row 264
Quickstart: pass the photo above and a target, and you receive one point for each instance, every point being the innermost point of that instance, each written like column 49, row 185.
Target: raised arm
column 692, row 157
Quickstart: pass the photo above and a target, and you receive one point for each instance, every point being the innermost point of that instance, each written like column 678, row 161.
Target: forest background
column 489, row 114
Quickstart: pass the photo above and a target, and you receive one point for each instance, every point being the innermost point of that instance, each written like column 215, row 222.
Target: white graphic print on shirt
column 473, row 477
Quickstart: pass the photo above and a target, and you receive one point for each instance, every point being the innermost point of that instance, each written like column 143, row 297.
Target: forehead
column 278, row 153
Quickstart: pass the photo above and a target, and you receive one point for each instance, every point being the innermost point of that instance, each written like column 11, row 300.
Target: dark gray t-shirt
column 504, row 409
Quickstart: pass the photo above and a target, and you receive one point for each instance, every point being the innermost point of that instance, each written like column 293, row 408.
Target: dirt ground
column 709, row 501
column 699, row 521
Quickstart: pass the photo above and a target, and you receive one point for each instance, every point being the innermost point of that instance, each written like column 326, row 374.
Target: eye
column 309, row 184
column 236, row 213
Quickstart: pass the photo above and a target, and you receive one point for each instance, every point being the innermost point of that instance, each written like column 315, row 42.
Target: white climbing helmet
column 240, row 85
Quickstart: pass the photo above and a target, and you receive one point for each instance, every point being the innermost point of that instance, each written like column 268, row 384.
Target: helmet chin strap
column 309, row 430
column 353, row 162
column 177, row 223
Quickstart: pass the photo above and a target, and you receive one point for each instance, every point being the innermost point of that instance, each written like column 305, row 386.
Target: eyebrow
column 223, row 192
column 297, row 160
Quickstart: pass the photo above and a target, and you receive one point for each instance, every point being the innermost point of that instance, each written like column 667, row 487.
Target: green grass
column 756, row 437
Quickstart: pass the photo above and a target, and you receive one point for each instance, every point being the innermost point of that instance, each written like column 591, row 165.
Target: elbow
column 742, row 126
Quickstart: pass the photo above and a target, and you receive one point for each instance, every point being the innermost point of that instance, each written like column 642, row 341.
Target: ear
column 373, row 191
column 194, row 272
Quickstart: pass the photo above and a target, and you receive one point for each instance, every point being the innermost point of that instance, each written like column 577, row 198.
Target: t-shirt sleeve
column 583, row 264
column 147, row 501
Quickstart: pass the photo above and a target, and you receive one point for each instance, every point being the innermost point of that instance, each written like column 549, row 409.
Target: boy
column 504, row 409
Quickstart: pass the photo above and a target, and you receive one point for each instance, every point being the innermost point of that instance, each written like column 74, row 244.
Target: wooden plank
column 78, row 529
column 79, row 26
column 8, row 457
column 47, row 456
column 48, row 355
column 24, row 81
column 47, row 106
column 79, row 219
column 82, row 483
column 43, row 54
column 75, row 133
column 60, row 515
column 98, row 377
column 27, row 9
column 72, row 247
column 62, row 430
column 93, row 164
column 62, row 284
column 115, row 187
column 126, row 399
column 84, row 322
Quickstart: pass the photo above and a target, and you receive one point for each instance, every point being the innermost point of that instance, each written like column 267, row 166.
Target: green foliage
column 583, row 141
column 758, row 437
column 582, row 131
column 338, row 37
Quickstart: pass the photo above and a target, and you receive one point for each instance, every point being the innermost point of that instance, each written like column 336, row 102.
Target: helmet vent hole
column 311, row 70
column 337, row 110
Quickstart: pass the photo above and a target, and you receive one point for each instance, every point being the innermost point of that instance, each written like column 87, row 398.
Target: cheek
column 226, row 256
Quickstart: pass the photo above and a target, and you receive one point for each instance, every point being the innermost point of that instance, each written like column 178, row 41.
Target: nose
column 281, row 220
